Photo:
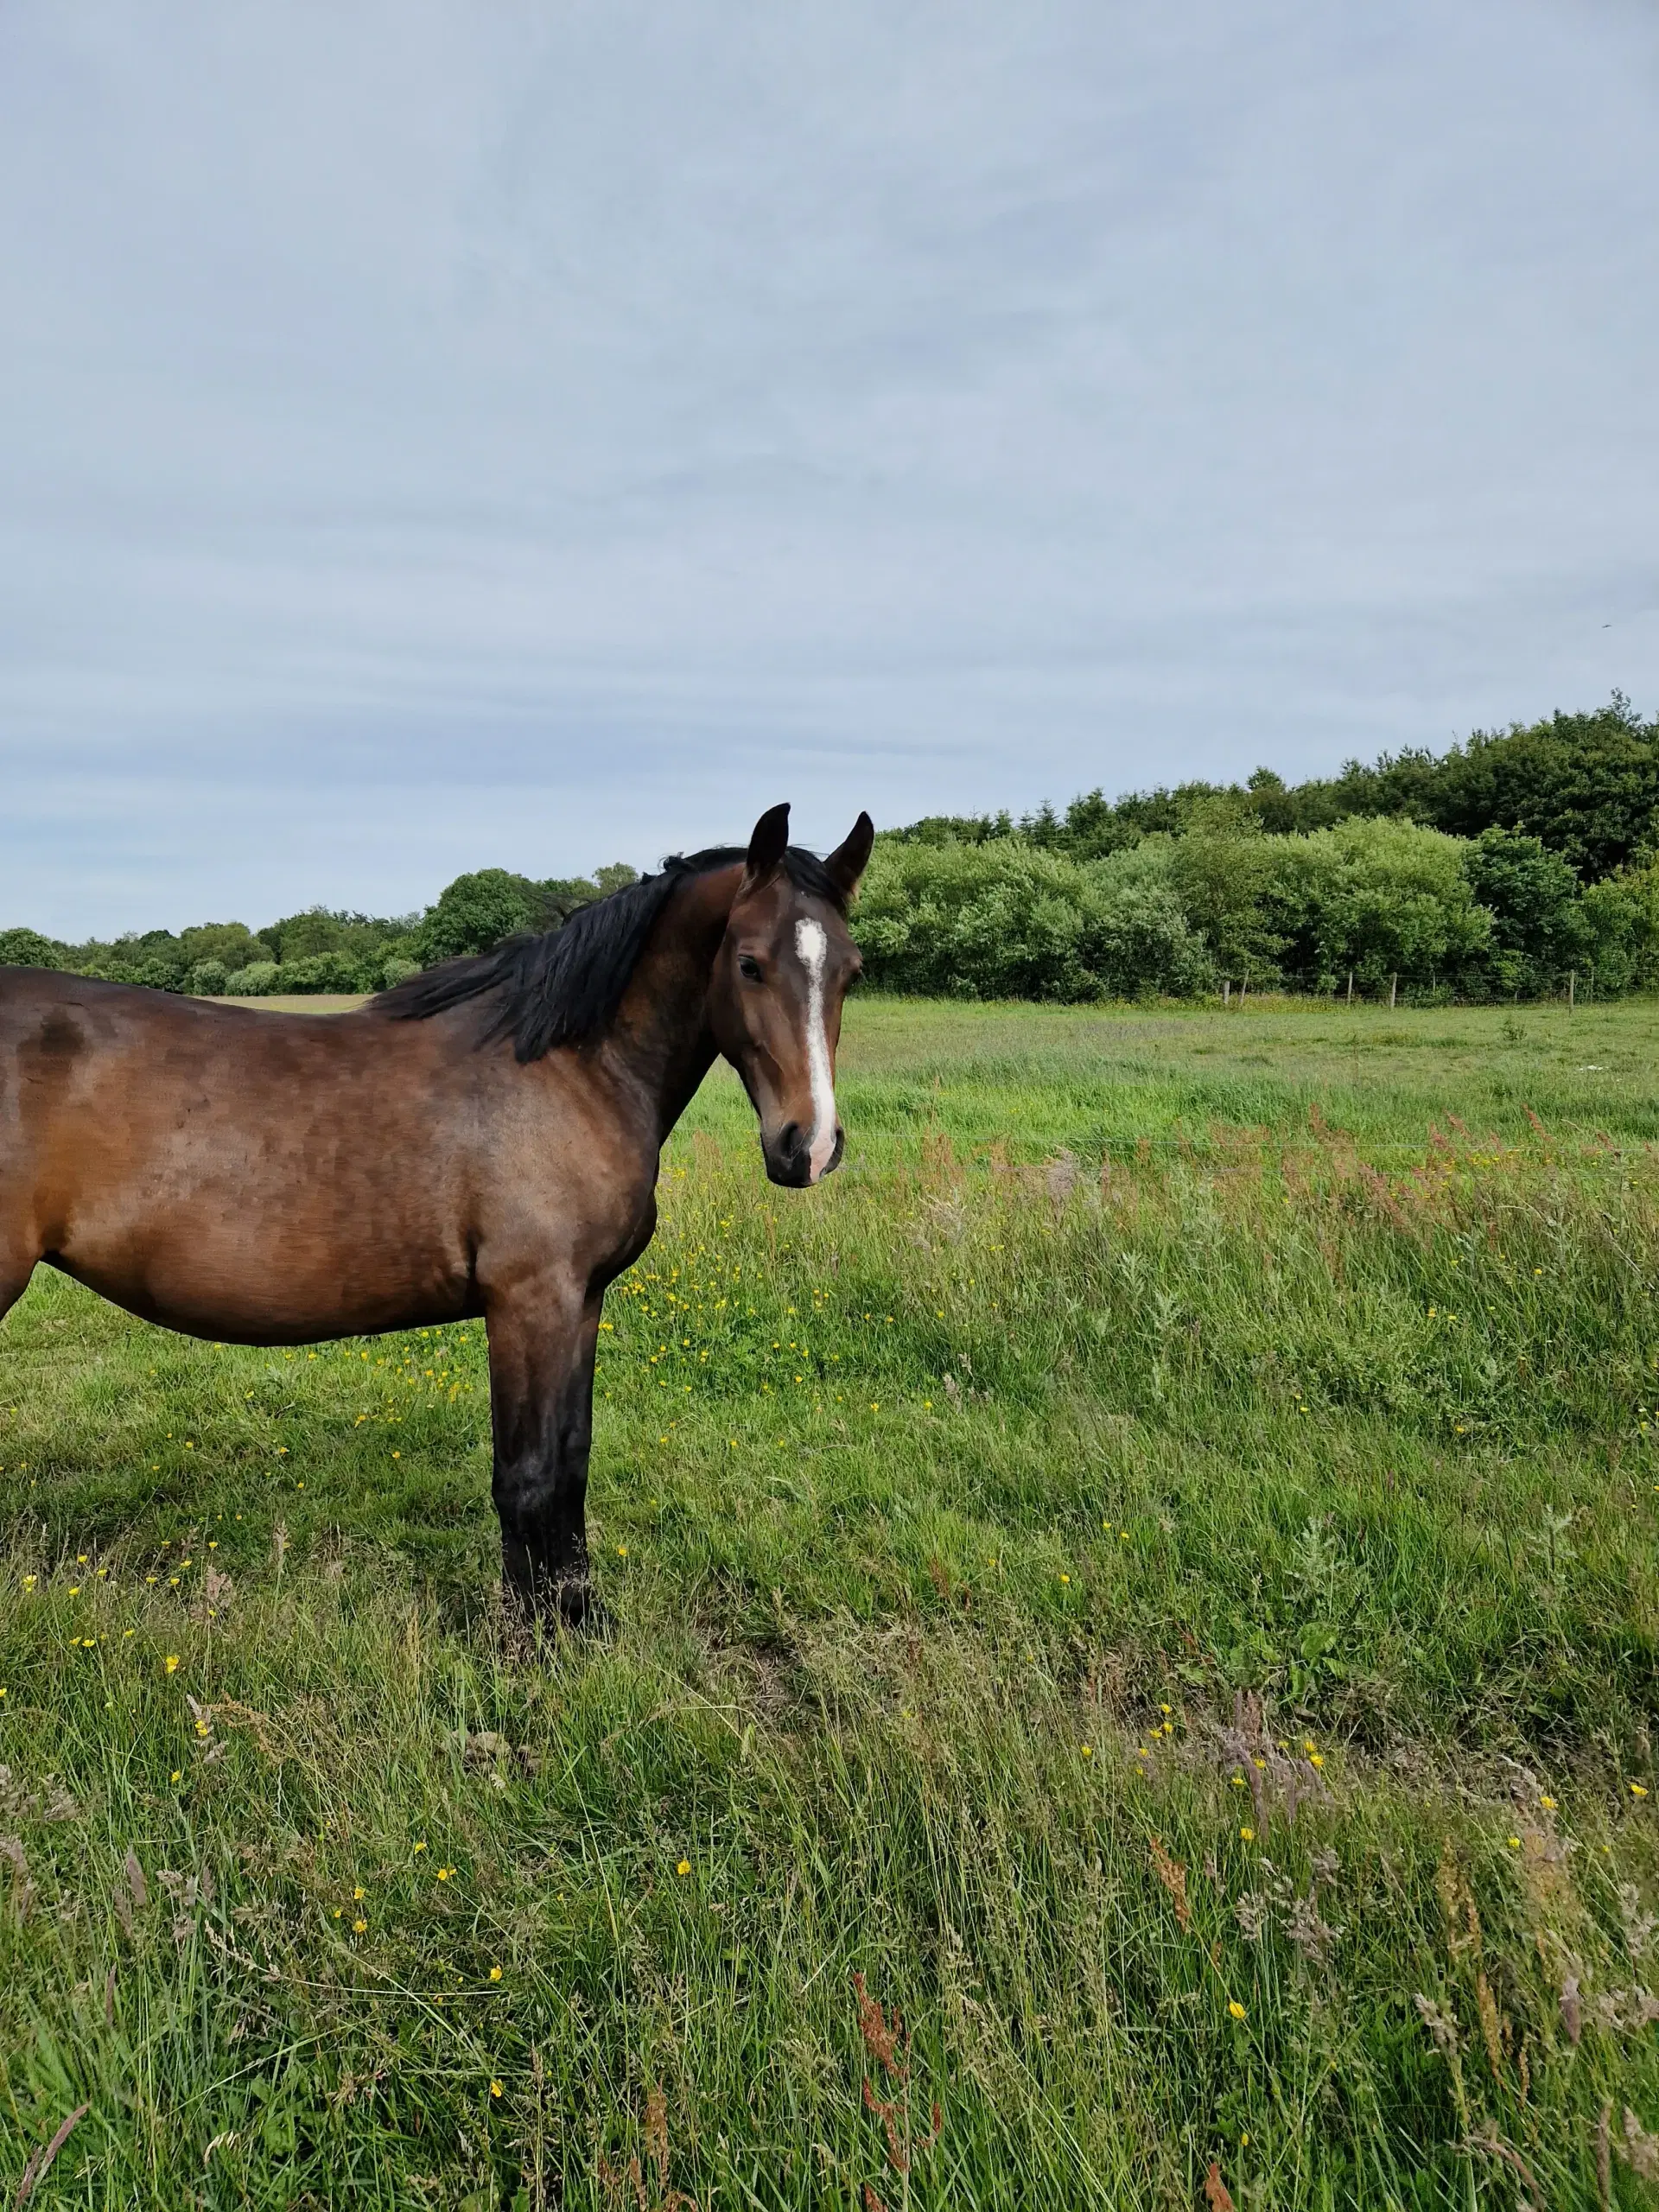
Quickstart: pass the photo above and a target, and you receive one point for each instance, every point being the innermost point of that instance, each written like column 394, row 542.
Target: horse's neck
column 661, row 1044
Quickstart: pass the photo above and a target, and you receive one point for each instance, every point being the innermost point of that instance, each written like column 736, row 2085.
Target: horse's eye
column 748, row 968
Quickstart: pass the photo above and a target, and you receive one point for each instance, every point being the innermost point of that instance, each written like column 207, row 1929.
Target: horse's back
column 50, row 1025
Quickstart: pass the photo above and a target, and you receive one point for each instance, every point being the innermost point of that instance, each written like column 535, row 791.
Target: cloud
column 439, row 435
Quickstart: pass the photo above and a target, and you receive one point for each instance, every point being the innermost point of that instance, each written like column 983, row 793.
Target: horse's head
column 780, row 976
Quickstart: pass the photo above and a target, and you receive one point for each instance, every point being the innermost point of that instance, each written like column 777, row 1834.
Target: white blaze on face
column 812, row 945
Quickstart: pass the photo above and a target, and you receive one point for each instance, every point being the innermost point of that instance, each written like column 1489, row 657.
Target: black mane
column 563, row 987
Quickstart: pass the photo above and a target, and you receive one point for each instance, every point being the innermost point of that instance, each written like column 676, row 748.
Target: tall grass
column 1150, row 1576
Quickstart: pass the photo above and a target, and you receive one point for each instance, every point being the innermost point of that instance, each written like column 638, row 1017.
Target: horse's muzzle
column 789, row 1156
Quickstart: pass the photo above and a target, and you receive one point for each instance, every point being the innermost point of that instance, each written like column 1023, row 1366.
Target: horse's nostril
column 788, row 1152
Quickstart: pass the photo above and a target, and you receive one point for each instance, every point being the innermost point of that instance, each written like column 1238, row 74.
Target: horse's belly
column 250, row 1265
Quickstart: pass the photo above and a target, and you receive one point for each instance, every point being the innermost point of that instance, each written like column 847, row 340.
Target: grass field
column 1151, row 1573
column 308, row 1002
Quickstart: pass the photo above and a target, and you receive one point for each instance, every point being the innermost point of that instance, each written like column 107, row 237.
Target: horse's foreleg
column 541, row 1340
column 14, row 1271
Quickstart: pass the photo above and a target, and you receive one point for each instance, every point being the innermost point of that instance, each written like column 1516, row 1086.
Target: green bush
column 1222, row 871
column 324, row 971
column 1377, row 899
column 22, row 948
column 256, row 981
column 154, row 975
column 1004, row 919
column 298, row 937
column 1620, row 923
column 231, row 944
column 1586, row 784
column 1533, row 896
column 475, row 913
column 207, row 979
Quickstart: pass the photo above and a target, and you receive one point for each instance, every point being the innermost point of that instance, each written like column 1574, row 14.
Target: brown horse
column 482, row 1140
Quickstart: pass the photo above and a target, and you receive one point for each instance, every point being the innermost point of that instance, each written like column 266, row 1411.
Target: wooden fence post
column 1226, row 990
column 1350, row 986
column 1394, row 986
column 1572, row 988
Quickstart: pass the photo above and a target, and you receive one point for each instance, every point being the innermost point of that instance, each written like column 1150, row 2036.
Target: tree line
column 1496, row 869
column 323, row 949
column 1499, row 868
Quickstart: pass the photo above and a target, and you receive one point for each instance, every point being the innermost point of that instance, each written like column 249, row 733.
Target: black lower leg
column 542, row 1392
column 544, row 1562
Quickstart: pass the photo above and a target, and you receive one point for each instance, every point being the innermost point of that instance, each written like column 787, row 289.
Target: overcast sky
column 433, row 435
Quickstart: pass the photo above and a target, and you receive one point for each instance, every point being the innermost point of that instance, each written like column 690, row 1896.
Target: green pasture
column 302, row 1002
column 1131, row 1676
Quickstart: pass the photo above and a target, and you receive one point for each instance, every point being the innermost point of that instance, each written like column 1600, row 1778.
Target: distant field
column 312, row 1003
column 1153, row 1569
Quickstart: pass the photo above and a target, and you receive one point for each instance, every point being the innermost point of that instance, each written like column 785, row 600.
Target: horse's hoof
column 570, row 1607
column 580, row 1610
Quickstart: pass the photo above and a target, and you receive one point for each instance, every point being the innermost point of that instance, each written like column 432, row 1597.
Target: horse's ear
column 767, row 845
column 850, row 859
